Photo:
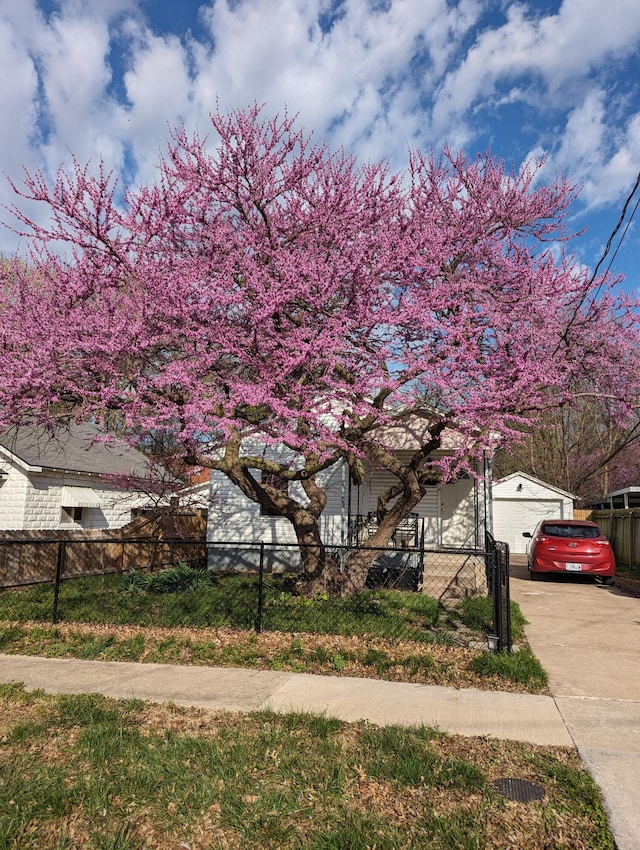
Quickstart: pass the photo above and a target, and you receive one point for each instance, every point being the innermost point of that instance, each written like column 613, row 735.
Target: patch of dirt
column 628, row 584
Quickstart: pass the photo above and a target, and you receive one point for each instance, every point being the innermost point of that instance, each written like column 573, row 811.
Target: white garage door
column 512, row 517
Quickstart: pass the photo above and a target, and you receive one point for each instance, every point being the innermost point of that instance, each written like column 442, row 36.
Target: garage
column 520, row 501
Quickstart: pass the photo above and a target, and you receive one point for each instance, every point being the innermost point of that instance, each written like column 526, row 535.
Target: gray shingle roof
column 74, row 449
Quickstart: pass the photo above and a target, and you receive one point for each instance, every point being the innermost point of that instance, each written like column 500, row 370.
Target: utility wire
column 605, row 253
column 623, row 235
column 617, row 228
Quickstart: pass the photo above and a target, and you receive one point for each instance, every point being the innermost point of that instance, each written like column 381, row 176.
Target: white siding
column 450, row 513
column 334, row 520
column 378, row 481
column 459, row 514
column 234, row 517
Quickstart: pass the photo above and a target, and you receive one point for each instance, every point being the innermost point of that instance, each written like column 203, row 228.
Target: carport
column 520, row 501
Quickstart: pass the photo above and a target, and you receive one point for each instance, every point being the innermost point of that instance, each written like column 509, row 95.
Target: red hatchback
column 570, row 546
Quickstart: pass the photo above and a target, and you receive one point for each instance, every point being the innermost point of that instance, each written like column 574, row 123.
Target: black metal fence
column 497, row 555
column 444, row 574
column 254, row 580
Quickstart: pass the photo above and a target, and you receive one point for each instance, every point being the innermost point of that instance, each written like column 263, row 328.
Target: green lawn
column 230, row 601
column 88, row 772
column 84, row 771
column 381, row 633
column 183, row 597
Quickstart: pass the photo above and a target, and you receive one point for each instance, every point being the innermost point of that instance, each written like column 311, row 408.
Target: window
column 579, row 531
column 71, row 515
column 272, row 479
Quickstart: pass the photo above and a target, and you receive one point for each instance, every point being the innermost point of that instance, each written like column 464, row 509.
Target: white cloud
column 159, row 92
column 18, row 98
column 376, row 77
column 356, row 73
column 584, row 133
column 582, row 35
column 74, row 75
column 600, row 148
column 558, row 50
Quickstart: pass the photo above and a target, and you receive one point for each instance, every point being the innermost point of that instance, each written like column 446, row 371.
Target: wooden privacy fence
column 24, row 562
column 148, row 543
column 622, row 528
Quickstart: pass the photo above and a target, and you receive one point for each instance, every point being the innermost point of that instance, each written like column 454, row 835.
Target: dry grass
column 365, row 657
column 188, row 779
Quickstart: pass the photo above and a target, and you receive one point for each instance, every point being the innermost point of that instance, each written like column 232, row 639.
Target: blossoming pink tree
column 268, row 292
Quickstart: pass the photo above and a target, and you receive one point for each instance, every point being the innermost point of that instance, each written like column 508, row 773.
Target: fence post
column 260, row 590
column 497, row 565
column 56, row 588
column 502, row 598
column 420, row 587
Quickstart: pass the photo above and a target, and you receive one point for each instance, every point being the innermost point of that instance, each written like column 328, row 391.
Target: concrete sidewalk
column 518, row 717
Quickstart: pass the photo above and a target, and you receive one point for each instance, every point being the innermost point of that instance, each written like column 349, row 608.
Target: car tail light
column 603, row 543
column 541, row 539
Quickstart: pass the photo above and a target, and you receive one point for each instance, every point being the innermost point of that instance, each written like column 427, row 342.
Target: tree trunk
column 360, row 561
column 322, row 572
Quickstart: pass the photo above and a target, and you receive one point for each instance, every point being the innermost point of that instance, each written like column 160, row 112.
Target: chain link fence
column 255, row 586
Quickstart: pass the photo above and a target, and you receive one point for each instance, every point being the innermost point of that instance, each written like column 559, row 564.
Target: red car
column 570, row 546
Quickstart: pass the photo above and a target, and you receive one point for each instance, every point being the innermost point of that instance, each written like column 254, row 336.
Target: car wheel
column 534, row 576
column 609, row 580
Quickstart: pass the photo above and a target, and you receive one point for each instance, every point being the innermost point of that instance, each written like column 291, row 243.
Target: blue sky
column 104, row 78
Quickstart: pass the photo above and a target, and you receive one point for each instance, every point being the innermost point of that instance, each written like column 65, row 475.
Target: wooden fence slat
column 622, row 528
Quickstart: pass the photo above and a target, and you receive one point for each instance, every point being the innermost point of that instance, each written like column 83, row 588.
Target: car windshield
column 559, row 529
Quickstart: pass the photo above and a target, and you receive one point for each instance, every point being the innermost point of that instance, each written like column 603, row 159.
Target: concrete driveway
column 587, row 637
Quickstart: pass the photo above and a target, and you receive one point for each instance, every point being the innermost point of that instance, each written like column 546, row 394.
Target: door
column 512, row 517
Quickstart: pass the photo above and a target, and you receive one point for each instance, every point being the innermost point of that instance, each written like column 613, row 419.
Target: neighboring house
column 452, row 515
column 64, row 481
column 624, row 499
column 520, row 501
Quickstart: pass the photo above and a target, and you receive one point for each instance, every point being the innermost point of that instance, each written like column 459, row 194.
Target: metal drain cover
column 518, row 789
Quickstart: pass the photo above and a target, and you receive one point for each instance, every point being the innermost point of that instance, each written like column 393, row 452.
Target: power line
column 617, row 228
column 604, row 255
column 623, row 235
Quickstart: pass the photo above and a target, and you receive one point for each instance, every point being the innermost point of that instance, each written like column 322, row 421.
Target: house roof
column 75, row 448
column 547, row 486
column 411, row 430
column 628, row 497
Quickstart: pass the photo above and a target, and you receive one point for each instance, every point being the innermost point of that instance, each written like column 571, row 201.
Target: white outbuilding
column 520, row 501
column 67, row 480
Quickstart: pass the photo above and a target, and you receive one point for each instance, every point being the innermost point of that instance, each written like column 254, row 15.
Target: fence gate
column 497, row 555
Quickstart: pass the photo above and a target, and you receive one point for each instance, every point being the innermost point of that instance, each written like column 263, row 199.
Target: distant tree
column 273, row 306
column 581, row 448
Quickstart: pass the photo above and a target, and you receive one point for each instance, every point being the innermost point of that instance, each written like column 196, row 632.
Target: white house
column 63, row 481
column 520, row 501
column 452, row 515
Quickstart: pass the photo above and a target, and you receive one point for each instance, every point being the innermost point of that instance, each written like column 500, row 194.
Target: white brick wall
column 34, row 501
column 13, row 491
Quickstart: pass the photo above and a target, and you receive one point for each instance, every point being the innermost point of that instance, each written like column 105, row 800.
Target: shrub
column 176, row 579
